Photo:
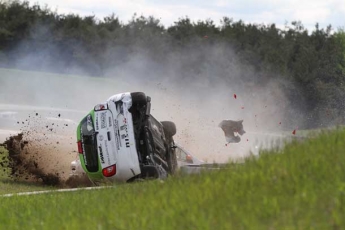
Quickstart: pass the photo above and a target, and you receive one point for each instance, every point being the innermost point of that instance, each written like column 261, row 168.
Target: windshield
column 89, row 142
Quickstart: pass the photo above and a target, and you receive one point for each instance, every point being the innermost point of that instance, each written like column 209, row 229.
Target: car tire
column 169, row 128
column 139, row 98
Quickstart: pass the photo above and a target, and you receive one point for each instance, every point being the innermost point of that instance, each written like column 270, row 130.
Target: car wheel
column 139, row 98
column 169, row 128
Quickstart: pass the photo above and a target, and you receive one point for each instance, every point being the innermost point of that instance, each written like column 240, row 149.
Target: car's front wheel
column 169, row 128
column 139, row 98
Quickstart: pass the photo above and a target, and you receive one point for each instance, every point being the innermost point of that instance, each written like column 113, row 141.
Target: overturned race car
column 120, row 141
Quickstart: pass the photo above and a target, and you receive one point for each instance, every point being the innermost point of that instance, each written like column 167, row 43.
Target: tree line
column 309, row 64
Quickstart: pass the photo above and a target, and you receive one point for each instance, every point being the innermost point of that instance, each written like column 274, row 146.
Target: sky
column 309, row 12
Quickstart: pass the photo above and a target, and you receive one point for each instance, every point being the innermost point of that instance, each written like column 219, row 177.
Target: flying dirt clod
column 22, row 163
column 23, row 167
column 231, row 127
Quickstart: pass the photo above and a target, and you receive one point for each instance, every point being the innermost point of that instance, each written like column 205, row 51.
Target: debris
column 231, row 127
column 27, row 158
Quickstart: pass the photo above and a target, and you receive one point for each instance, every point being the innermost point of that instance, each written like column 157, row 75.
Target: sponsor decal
column 125, row 135
column 120, row 126
column 97, row 125
column 101, row 154
column 100, row 137
column 107, row 152
column 103, row 120
column 110, row 123
column 117, row 134
column 123, row 127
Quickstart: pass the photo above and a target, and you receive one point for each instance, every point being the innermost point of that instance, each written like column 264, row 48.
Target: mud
column 41, row 153
column 23, row 164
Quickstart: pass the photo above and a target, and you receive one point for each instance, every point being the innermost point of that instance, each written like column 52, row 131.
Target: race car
column 120, row 141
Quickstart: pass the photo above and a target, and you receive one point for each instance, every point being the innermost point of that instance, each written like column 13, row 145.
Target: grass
column 299, row 187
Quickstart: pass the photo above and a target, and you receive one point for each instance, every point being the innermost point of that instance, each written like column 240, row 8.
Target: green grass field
column 299, row 187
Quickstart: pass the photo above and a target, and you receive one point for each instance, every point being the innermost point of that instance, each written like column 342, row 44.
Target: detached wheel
column 139, row 98
column 169, row 128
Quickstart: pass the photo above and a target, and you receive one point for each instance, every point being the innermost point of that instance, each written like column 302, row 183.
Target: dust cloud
column 198, row 101
column 197, row 98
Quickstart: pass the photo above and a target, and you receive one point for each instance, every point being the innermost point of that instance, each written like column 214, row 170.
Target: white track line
column 54, row 191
